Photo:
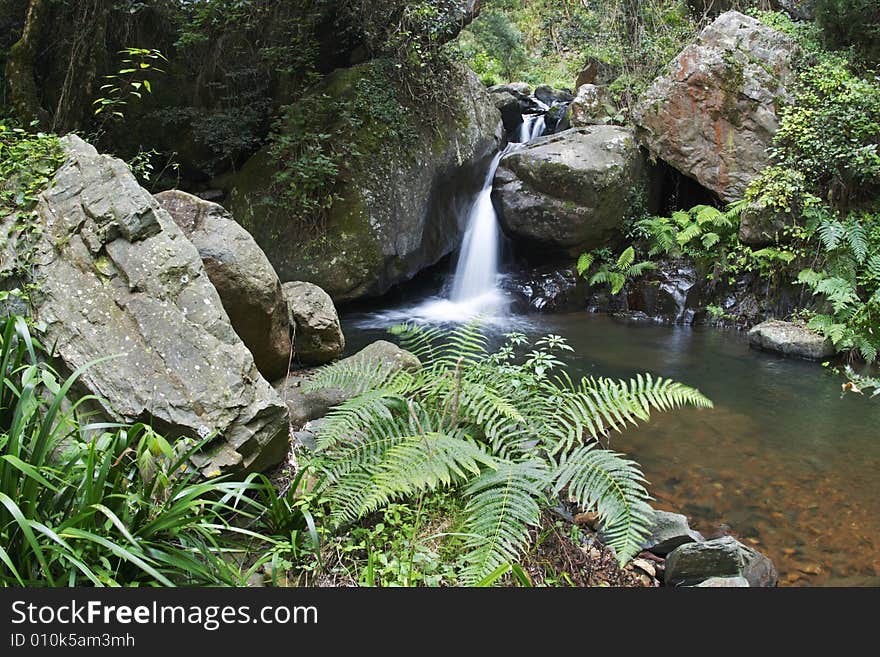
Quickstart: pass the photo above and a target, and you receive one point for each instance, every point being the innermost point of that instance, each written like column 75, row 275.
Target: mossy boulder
column 571, row 191
column 398, row 196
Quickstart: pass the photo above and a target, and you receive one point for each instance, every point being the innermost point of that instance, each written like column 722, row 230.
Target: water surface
column 782, row 461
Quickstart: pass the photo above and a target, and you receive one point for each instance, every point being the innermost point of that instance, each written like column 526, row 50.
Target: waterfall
column 532, row 127
column 477, row 270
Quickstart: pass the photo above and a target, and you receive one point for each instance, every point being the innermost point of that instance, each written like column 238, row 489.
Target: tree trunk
column 21, row 63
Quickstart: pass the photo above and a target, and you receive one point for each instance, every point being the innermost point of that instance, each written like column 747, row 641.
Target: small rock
column 670, row 531
column 645, row 565
column 724, row 583
column 318, row 337
column 692, row 563
column 790, row 339
column 589, row 519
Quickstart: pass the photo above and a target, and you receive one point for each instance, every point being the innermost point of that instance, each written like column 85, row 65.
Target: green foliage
column 131, row 81
column 496, row 428
column 849, row 284
column 614, row 272
column 27, row 163
column 853, row 24
column 106, row 505
column 831, row 132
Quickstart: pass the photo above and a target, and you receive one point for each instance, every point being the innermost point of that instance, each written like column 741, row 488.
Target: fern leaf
column 584, row 263
column 626, row 258
column 640, row 268
column 503, row 504
column 614, row 486
column 687, row 234
column 617, row 281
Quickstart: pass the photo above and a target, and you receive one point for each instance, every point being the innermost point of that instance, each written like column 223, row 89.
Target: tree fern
column 497, row 429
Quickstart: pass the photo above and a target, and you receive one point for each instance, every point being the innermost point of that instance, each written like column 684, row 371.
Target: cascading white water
column 477, row 270
column 532, row 127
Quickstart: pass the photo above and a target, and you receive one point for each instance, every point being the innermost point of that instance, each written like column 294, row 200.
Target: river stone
column 714, row 112
column 115, row 276
column 693, row 563
column 398, row 208
column 669, row 532
column 724, row 583
column 317, row 335
column 790, row 339
column 571, row 191
column 307, row 406
column 510, row 108
column 548, row 95
column 248, row 285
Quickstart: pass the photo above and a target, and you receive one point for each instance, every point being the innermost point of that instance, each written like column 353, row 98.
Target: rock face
column 398, row 208
column 790, row 339
column 588, row 106
column 693, row 563
column 548, row 95
column 115, row 276
column 595, row 71
column 761, row 226
column 318, row 336
column 248, row 285
column 571, row 191
column 714, row 113
column 513, row 100
column 304, row 406
column 669, row 532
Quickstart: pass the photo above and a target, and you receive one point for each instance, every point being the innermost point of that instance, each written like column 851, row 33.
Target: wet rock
column 548, row 95
column 317, row 334
column 589, row 107
column 510, row 107
column 723, row 557
column 115, row 276
column 248, row 285
column 669, row 293
column 572, row 191
column 308, row 406
column 546, row 289
column 713, row 114
column 790, row 339
column 670, row 531
column 556, row 119
column 724, row 583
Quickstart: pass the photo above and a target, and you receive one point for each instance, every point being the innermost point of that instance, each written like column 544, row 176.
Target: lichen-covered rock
column 790, row 339
column 713, row 114
column 589, row 106
column 248, row 285
column 115, row 276
column 306, row 406
column 317, row 334
column 570, row 191
column 398, row 207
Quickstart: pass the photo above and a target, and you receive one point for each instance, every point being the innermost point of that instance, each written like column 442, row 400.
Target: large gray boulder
column 571, row 191
column 589, row 107
column 317, row 334
column 790, row 339
column 116, row 277
column 398, row 207
column 725, row 557
column 714, row 112
column 248, row 285
column 306, row 406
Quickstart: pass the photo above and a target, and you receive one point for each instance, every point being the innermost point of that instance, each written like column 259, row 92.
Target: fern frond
column 354, row 417
column 707, row 214
column 614, row 486
column 857, row 239
column 356, row 376
column 495, row 414
column 831, row 233
column 685, row 235
column 682, row 218
column 709, row 240
column 418, row 339
column 640, row 268
column 585, row 262
column 626, row 258
column 466, row 343
column 503, row 504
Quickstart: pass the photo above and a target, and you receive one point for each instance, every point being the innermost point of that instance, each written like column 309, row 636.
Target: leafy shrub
column 496, row 428
column 107, row 505
column 851, row 24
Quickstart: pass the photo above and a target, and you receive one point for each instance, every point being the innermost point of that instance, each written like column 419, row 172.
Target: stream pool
column 782, row 462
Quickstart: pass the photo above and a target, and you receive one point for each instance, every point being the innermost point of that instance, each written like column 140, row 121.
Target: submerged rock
column 115, row 276
column 725, row 557
column 790, row 339
column 248, row 285
column 318, row 335
column 307, row 406
column 713, row 114
column 399, row 206
column 571, row 191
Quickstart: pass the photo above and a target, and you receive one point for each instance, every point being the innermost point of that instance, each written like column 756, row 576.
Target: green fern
column 496, row 428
